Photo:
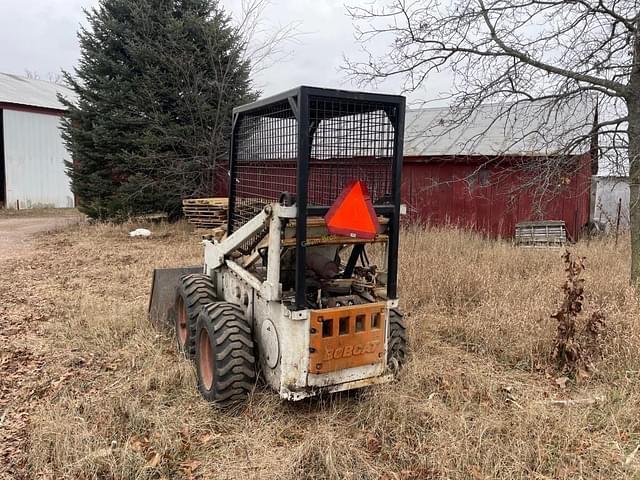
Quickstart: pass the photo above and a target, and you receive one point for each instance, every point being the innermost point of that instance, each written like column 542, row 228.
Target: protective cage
column 310, row 142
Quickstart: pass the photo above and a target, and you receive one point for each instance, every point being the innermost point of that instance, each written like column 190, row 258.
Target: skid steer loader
column 292, row 291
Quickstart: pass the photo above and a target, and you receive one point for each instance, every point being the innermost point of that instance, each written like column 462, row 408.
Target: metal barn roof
column 495, row 129
column 32, row 93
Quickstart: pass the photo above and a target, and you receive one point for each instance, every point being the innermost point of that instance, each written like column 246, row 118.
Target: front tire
column 225, row 363
column 195, row 291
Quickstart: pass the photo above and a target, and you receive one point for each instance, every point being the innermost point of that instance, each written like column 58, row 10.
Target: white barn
column 32, row 152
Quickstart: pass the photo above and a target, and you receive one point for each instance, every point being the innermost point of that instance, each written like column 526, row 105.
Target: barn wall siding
column 34, row 161
column 454, row 191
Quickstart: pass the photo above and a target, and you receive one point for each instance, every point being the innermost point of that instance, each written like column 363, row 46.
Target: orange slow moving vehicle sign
column 352, row 213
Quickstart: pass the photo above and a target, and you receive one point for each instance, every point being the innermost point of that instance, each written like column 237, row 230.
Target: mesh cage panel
column 266, row 143
column 350, row 140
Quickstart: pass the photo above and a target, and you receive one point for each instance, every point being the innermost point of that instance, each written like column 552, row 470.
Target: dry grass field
column 90, row 390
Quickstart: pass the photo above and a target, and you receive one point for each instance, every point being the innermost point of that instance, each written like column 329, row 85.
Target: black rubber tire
column 195, row 291
column 225, row 360
column 397, row 341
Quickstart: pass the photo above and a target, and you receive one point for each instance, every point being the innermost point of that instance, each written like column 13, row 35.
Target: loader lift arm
column 215, row 253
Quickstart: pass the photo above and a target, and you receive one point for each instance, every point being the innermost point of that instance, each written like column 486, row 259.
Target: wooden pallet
column 544, row 233
column 215, row 202
column 207, row 213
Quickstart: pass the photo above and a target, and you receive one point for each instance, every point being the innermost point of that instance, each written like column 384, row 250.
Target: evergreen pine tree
column 155, row 85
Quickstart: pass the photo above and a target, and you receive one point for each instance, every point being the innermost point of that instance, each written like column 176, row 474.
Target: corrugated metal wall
column 34, row 161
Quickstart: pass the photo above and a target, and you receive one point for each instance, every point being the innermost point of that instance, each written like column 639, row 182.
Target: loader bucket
column 164, row 289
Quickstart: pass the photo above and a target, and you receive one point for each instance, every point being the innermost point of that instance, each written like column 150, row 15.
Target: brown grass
column 106, row 396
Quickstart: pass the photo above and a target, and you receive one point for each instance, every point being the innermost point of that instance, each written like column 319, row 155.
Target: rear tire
column 397, row 341
column 195, row 291
column 225, row 363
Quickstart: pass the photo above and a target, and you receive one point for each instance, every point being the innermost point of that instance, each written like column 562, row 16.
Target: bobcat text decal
column 350, row 350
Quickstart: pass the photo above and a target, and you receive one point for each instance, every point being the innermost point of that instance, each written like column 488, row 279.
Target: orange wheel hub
column 182, row 323
column 206, row 359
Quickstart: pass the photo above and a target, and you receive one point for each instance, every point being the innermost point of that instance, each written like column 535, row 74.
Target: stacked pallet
column 545, row 233
column 206, row 212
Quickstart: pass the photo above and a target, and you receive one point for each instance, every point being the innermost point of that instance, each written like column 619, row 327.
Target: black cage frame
column 313, row 141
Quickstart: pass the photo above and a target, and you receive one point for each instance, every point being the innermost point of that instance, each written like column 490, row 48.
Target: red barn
column 471, row 176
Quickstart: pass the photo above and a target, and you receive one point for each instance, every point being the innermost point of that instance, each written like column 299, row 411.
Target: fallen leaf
column 373, row 444
column 476, row 473
column 631, row 456
column 582, row 374
column 190, row 465
column 562, row 382
column 154, row 461
column 138, row 443
column 207, row 438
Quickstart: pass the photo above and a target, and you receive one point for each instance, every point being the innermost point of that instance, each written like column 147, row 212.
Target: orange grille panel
column 345, row 337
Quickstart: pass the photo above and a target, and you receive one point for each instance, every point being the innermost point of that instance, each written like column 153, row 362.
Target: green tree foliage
column 155, row 85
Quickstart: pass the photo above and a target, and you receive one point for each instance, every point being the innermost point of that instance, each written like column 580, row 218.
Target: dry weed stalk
column 575, row 352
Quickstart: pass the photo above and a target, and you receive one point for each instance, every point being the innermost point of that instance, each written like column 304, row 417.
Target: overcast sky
column 40, row 36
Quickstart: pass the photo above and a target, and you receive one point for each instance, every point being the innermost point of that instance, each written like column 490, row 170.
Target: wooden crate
column 206, row 213
column 543, row 233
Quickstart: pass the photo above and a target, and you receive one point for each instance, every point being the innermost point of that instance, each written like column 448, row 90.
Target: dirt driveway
column 17, row 231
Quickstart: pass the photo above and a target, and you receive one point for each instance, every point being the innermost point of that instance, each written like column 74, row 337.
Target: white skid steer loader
column 290, row 291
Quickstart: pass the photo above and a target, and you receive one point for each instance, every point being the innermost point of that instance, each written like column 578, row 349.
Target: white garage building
column 611, row 193
column 32, row 152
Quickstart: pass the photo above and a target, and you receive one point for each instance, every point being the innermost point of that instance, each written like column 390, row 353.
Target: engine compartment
column 333, row 279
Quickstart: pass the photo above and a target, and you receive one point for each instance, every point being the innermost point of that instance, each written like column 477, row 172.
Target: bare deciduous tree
column 50, row 77
column 551, row 54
